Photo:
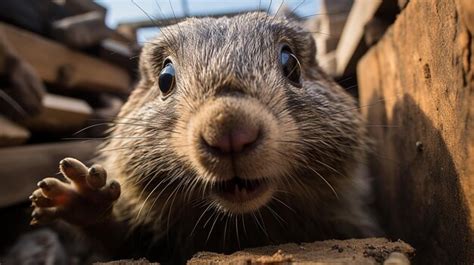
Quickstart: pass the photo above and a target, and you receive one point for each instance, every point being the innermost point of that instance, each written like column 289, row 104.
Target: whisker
column 330, row 167
column 278, row 10
column 13, row 103
column 225, row 230
column 322, row 14
column 276, row 215
column 108, row 137
column 382, row 125
column 259, row 225
column 212, row 227
column 284, row 204
column 171, row 205
column 111, row 123
column 294, row 9
column 327, row 182
column 151, row 20
column 200, row 217
column 156, row 198
column 322, row 33
column 243, row 224
column 364, row 106
column 237, row 230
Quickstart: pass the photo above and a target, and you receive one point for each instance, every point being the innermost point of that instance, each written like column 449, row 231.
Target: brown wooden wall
column 417, row 92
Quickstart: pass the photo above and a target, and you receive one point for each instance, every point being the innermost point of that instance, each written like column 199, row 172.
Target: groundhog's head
column 236, row 112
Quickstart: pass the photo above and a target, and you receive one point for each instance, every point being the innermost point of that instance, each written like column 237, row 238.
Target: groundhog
column 233, row 138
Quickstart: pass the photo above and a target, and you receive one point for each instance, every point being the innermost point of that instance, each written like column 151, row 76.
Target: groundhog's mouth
column 240, row 190
column 242, row 195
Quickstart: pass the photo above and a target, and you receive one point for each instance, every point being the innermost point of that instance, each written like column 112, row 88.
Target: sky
column 126, row 10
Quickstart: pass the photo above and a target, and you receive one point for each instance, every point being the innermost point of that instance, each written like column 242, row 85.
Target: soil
column 352, row 251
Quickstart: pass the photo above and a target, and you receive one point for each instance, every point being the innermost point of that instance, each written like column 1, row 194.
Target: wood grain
column 58, row 64
column 416, row 91
column 60, row 114
column 12, row 133
column 22, row 167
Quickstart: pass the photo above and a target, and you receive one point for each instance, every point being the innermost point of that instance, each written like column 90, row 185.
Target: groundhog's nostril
column 234, row 141
column 241, row 139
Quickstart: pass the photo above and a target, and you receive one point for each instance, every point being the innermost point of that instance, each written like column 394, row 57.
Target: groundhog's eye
column 166, row 80
column 290, row 65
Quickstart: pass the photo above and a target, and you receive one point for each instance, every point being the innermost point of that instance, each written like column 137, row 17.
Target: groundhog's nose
column 235, row 140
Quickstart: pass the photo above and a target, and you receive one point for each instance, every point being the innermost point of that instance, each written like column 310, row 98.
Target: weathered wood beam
column 81, row 31
column 60, row 114
column 351, row 44
column 416, row 90
column 12, row 133
column 22, row 167
column 61, row 65
column 370, row 18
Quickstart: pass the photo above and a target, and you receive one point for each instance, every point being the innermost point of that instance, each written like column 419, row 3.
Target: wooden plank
column 416, row 90
column 327, row 27
column 58, row 64
column 351, row 45
column 12, row 133
column 82, row 6
column 81, row 31
column 334, row 14
column 22, row 167
column 37, row 15
column 31, row 15
column 402, row 3
column 21, row 90
column 125, row 34
column 60, row 114
column 120, row 53
column 328, row 62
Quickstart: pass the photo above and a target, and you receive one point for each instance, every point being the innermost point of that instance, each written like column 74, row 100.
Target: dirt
column 353, row 251
column 128, row 262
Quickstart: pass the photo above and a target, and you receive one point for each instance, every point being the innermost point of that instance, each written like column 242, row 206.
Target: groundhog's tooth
column 244, row 192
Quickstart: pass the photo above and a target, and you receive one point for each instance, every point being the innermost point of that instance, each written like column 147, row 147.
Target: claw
column 42, row 184
column 80, row 201
column 64, row 163
column 33, row 222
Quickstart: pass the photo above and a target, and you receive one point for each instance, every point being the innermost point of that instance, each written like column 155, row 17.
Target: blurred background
column 119, row 11
column 67, row 66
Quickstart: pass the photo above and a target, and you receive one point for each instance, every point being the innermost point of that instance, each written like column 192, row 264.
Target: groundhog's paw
column 86, row 199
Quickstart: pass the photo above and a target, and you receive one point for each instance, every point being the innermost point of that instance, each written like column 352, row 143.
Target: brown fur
column 228, row 71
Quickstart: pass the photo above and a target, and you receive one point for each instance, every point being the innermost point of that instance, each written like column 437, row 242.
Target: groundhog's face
column 237, row 114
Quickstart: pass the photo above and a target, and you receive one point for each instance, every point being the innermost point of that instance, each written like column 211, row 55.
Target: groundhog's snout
column 230, row 136
column 236, row 142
